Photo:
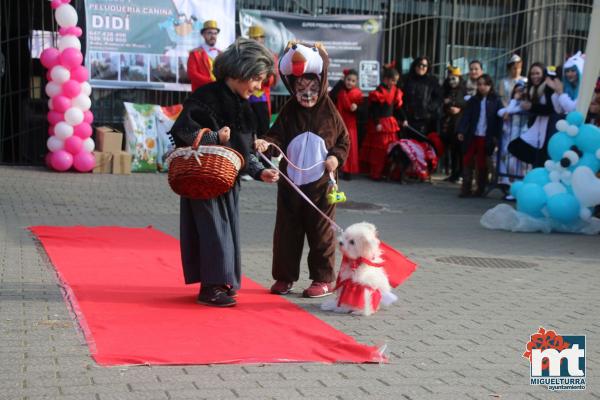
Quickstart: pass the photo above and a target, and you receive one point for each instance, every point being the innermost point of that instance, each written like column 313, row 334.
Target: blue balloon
column 531, row 198
column 558, row 144
column 563, row 208
column 589, row 160
column 588, row 138
column 575, row 118
column 515, row 187
column 538, row 176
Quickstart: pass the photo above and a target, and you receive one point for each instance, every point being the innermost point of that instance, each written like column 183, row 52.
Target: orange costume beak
column 298, row 64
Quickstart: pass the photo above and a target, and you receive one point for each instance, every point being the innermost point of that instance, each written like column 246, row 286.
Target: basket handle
column 199, row 138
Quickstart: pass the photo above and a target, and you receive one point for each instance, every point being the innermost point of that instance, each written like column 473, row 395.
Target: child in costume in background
column 310, row 132
column 479, row 130
column 347, row 100
column 515, row 124
column 382, row 128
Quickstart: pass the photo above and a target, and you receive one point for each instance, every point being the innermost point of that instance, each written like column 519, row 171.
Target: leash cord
column 297, row 189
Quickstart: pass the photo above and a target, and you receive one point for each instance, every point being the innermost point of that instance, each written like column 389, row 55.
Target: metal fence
column 448, row 31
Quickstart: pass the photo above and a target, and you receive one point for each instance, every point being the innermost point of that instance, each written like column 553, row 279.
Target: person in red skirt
column 382, row 127
column 347, row 100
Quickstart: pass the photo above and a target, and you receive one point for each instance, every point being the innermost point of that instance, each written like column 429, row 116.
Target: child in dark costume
column 310, row 131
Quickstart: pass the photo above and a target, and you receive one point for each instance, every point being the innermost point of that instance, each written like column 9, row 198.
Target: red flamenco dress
column 382, row 104
column 345, row 99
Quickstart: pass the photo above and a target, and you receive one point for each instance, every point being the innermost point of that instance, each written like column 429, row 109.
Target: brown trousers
column 297, row 219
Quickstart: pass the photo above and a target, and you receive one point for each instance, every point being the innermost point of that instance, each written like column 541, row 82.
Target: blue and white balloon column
column 566, row 189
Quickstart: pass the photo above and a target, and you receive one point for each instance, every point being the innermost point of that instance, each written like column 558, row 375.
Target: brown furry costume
column 295, row 217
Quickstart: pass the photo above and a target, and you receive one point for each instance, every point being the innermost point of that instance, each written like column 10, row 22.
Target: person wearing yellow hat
column 200, row 60
column 454, row 91
column 261, row 99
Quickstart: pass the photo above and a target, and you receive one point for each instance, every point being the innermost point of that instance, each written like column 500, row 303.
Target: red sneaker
column 282, row 287
column 318, row 289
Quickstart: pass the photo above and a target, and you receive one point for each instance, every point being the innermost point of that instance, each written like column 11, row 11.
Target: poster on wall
column 145, row 43
column 352, row 41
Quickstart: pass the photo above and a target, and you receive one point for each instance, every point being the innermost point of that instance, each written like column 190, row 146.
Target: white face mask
column 307, row 92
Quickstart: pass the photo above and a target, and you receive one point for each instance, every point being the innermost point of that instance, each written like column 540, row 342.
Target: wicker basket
column 203, row 172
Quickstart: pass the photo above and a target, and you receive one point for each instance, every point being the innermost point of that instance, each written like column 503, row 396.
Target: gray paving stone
column 457, row 332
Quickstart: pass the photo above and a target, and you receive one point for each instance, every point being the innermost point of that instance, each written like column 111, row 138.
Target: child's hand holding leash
column 331, row 163
column 261, row 145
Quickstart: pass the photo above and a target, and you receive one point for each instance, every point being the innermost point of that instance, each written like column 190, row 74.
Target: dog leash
column 335, row 226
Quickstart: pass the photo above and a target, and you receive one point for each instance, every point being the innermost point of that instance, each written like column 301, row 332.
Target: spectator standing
column 514, row 125
column 453, row 93
column 475, row 72
column 382, row 127
column 505, row 86
column 422, row 98
column 530, row 147
column 200, row 60
column 566, row 91
column 347, row 101
column 479, row 130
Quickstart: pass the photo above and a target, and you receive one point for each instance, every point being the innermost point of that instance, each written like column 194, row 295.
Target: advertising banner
column 352, row 41
column 145, row 43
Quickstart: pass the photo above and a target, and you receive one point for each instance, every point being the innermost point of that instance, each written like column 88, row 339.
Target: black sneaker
column 215, row 296
column 231, row 292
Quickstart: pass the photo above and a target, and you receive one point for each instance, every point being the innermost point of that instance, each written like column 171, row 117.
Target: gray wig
column 243, row 59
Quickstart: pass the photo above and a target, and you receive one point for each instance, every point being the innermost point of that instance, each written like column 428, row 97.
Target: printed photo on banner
column 145, row 43
column 352, row 41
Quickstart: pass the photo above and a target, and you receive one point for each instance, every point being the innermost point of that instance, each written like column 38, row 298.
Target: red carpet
column 126, row 287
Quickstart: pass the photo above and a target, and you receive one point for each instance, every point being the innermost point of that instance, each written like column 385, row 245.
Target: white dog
column 362, row 284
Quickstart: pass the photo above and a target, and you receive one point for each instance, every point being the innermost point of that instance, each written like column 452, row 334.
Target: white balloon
column 554, row 176
column 554, row 188
column 86, row 88
column 53, row 89
column 66, row 16
column 74, row 116
column 60, row 74
column 89, row 145
column 549, row 165
column 598, row 153
column 64, row 42
column 54, row 144
column 50, row 105
column 82, row 102
column 585, row 214
column 572, row 130
column 586, row 187
column 62, row 130
column 562, row 125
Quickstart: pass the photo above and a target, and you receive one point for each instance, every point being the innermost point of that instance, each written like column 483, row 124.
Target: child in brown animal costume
column 310, row 131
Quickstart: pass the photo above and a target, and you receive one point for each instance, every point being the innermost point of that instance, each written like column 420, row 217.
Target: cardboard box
column 121, row 163
column 103, row 163
column 109, row 140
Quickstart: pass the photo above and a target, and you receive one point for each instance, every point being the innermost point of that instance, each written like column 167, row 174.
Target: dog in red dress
column 362, row 284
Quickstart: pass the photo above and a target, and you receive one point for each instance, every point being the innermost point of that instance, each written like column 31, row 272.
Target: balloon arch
column 70, row 143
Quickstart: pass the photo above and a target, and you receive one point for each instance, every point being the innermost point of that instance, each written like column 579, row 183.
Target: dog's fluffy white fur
column 360, row 240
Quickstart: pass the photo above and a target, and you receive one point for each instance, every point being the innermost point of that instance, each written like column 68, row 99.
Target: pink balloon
column 71, row 88
column 88, row 117
column 61, row 160
column 51, row 130
column 71, row 58
column 79, row 73
column 54, row 117
column 84, row 161
column 50, row 57
column 73, row 144
column 55, row 4
column 48, row 76
column 83, row 130
column 61, row 103
column 70, row 30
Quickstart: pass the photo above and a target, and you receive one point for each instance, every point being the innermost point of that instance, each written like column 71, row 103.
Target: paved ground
column 457, row 332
